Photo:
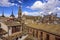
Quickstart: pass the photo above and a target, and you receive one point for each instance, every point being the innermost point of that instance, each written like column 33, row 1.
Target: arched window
column 41, row 36
column 33, row 33
column 37, row 33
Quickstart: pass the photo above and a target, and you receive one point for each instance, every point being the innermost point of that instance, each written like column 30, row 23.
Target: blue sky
column 30, row 7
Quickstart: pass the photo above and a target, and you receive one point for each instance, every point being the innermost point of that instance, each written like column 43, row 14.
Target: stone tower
column 19, row 13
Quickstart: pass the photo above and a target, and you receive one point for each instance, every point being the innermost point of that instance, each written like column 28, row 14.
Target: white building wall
column 10, row 31
column 3, row 26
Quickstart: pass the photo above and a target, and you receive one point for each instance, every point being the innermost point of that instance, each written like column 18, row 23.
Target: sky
column 30, row 7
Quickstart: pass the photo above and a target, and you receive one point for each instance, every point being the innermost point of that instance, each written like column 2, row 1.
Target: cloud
column 28, row 7
column 14, row 4
column 36, row 5
column 6, row 3
column 58, row 8
column 19, row 1
column 25, row 13
column 31, row 13
column 46, row 7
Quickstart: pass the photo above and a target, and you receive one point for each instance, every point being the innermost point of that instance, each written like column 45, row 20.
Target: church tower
column 3, row 14
column 12, row 15
column 19, row 13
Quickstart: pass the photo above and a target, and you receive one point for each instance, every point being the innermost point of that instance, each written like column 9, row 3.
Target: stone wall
column 41, row 35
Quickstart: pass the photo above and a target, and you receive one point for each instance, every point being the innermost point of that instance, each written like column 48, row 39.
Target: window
column 13, row 29
column 41, row 35
column 47, row 36
column 17, row 29
column 33, row 33
column 37, row 33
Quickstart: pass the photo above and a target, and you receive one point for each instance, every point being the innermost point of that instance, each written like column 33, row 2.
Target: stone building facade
column 41, row 34
column 50, row 19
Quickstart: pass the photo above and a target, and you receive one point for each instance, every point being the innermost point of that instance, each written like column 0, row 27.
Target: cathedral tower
column 19, row 13
column 3, row 14
column 12, row 15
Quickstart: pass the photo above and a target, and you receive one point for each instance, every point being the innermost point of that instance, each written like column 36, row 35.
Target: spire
column 12, row 15
column 3, row 14
column 56, row 14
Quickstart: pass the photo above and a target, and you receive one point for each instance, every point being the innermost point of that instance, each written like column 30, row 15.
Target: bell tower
column 12, row 15
column 3, row 14
column 19, row 13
